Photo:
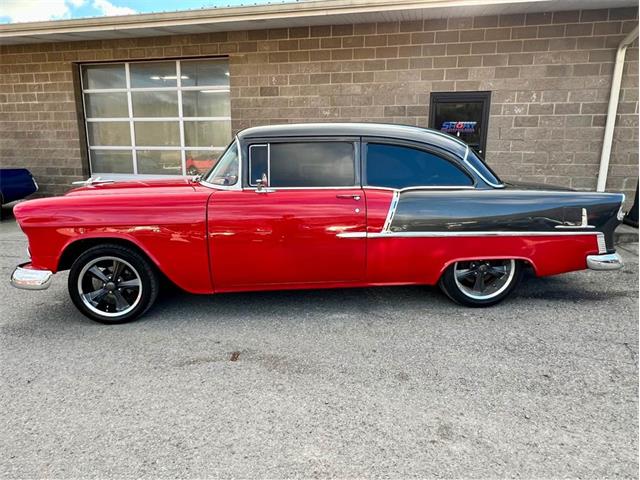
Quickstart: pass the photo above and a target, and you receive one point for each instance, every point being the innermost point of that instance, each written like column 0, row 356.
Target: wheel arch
column 527, row 261
column 76, row 247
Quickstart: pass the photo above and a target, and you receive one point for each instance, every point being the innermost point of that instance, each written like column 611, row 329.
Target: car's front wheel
column 112, row 284
column 481, row 283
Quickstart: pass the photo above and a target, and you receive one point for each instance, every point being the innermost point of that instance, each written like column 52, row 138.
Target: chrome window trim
column 421, row 187
column 356, row 153
column 268, row 162
column 475, row 170
column 238, row 184
column 420, row 146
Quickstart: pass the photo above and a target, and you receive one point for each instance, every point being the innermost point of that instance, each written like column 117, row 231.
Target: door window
column 303, row 164
column 226, row 170
column 395, row 166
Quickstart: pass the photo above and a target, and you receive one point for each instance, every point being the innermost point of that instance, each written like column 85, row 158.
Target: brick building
column 163, row 93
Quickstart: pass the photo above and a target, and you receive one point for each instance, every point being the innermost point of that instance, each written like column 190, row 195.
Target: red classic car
column 315, row 206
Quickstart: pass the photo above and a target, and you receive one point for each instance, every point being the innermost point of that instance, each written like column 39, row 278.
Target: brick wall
column 549, row 74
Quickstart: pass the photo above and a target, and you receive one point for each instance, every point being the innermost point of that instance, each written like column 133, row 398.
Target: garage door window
column 156, row 118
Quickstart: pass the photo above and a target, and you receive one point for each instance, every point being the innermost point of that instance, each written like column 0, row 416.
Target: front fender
column 170, row 229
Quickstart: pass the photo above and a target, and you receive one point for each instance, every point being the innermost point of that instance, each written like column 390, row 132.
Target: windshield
column 225, row 172
column 482, row 168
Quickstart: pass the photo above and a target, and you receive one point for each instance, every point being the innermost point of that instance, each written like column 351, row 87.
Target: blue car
column 16, row 183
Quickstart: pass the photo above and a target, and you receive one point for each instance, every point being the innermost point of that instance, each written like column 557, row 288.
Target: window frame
column 354, row 141
column 442, row 154
column 182, row 148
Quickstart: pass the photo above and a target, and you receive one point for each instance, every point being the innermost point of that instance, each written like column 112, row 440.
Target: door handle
column 355, row 196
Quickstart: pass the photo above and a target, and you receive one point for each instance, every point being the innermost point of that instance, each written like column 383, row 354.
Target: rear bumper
column 29, row 278
column 609, row 261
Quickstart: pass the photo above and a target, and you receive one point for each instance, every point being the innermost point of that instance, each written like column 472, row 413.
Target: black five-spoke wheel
column 109, row 286
column 481, row 283
column 112, row 283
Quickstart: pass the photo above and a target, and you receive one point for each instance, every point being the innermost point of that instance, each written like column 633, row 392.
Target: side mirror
column 262, row 184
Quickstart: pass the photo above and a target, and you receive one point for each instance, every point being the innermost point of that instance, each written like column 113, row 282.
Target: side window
column 226, row 170
column 258, row 163
column 395, row 166
column 304, row 164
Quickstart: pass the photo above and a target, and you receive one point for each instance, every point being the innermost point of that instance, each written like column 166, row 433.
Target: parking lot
column 388, row 382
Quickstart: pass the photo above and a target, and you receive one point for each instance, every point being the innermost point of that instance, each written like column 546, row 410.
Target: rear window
column 396, row 166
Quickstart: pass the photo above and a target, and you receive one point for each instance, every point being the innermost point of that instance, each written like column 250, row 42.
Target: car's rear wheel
column 112, row 284
column 481, row 283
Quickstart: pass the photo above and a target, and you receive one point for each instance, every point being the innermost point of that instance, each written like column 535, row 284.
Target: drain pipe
column 613, row 108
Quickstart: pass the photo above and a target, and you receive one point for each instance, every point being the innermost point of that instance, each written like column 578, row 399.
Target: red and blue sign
column 458, row 127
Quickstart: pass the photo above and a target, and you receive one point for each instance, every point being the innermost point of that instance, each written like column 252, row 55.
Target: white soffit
column 281, row 15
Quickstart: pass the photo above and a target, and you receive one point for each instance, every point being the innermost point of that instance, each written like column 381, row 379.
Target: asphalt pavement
column 386, row 382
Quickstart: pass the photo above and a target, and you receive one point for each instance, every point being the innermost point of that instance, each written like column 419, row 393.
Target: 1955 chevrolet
column 315, row 206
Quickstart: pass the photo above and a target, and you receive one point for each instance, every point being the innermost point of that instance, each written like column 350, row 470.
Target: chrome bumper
column 609, row 261
column 30, row 279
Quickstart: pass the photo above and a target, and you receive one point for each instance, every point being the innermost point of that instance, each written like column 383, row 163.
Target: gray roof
column 401, row 132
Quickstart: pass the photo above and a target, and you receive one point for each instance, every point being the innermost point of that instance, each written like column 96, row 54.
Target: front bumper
column 29, row 278
column 608, row 261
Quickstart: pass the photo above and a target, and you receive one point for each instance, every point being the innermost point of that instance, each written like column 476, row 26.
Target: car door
column 299, row 219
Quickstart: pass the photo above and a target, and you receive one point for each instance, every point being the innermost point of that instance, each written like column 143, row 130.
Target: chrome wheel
column 483, row 279
column 109, row 286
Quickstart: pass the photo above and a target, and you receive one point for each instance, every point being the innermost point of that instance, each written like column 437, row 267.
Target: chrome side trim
column 610, row 261
column 474, row 234
column 30, row 279
column 275, row 189
column 391, row 212
column 600, row 236
column 352, row 235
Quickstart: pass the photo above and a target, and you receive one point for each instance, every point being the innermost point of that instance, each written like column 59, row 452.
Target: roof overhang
column 305, row 13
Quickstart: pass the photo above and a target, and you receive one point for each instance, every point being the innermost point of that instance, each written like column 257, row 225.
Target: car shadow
column 6, row 212
column 298, row 303
column 565, row 288
column 176, row 307
column 353, row 302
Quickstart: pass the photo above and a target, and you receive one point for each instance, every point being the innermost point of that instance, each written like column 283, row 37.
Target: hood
column 133, row 187
column 536, row 186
